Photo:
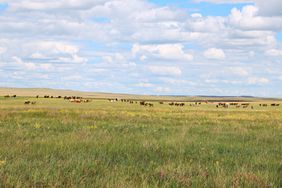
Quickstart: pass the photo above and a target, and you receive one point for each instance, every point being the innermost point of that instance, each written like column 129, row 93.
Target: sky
column 156, row 47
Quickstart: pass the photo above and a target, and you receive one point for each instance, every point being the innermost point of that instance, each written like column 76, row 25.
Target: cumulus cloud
column 145, row 85
column 248, row 18
column 41, row 5
column 2, row 50
column 274, row 52
column 165, row 70
column 239, row 71
column 153, row 45
column 206, row 25
column 163, row 51
column 55, row 51
column 196, row 15
column 268, row 8
column 53, row 47
column 214, row 53
column 258, row 80
column 162, row 90
column 225, row 1
column 73, row 59
column 30, row 66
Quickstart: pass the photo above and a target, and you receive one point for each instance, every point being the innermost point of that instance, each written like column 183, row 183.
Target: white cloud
column 30, row 66
column 258, row 80
column 268, row 8
column 145, row 85
column 211, row 81
column 165, row 70
column 157, row 14
column 240, row 71
column 177, row 81
column 108, row 39
column 25, row 65
column 162, row 90
column 41, row 5
column 73, row 59
column 57, row 51
column 250, row 81
column 162, row 51
column 196, row 15
column 54, row 47
column 37, row 56
column 274, row 52
column 214, row 53
column 46, row 66
column 2, row 50
column 248, row 18
column 226, row 1
column 117, row 60
column 206, row 25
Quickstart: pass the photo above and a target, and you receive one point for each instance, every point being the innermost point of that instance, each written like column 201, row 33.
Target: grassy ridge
column 32, row 92
column 102, row 144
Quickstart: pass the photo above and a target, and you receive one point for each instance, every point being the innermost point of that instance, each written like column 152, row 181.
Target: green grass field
column 56, row 143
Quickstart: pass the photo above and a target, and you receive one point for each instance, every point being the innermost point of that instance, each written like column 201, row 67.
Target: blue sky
column 279, row 37
column 205, row 8
column 3, row 6
column 160, row 47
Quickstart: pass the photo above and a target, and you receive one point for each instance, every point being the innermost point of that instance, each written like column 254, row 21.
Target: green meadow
column 55, row 143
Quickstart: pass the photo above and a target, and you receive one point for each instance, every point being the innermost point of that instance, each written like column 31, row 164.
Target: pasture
column 56, row 143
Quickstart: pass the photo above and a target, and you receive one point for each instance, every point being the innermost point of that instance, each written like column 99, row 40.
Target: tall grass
column 58, row 144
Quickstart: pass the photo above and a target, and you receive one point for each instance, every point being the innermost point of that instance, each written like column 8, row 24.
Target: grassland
column 27, row 92
column 56, row 143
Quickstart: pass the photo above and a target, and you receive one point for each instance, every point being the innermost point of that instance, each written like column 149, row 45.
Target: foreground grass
column 101, row 144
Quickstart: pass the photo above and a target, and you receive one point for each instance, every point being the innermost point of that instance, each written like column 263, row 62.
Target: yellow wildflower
column 37, row 126
column 2, row 162
column 92, row 127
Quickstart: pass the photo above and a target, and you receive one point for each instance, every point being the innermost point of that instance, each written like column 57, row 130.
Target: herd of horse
column 77, row 99
column 10, row 96
column 243, row 105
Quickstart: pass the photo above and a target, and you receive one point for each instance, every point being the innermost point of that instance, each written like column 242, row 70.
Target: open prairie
column 140, row 93
column 56, row 143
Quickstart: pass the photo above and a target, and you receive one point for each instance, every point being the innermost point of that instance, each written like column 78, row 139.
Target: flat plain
column 56, row 143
